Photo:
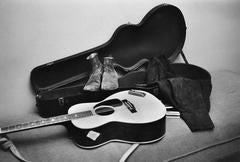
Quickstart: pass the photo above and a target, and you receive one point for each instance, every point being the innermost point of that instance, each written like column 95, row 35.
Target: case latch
column 61, row 101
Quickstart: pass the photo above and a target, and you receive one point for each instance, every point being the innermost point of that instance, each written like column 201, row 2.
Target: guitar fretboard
column 44, row 122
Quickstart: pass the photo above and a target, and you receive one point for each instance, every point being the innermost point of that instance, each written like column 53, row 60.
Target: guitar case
column 162, row 31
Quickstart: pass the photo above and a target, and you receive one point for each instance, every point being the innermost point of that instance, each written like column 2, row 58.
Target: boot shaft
column 108, row 64
column 95, row 62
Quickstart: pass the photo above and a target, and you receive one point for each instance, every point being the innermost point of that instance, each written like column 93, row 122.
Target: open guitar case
column 59, row 84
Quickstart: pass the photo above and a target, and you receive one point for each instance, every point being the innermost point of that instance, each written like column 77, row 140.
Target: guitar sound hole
column 104, row 110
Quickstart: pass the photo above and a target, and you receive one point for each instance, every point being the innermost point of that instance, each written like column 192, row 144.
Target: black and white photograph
column 119, row 81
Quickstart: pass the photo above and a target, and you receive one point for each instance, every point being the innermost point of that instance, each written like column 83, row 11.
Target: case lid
column 161, row 32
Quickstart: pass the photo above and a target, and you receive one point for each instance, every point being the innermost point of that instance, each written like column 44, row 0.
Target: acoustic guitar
column 131, row 116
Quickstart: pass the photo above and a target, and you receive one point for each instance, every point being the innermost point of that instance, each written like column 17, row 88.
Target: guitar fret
column 38, row 122
column 18, row 126
column 81, row 114
column 25, row 124
column 5, row 129
column 63, row 118
column 12, row 127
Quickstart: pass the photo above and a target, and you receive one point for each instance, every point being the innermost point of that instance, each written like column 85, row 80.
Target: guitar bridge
column 129, row 105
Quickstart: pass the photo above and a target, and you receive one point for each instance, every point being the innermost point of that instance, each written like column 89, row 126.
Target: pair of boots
column 103, row 75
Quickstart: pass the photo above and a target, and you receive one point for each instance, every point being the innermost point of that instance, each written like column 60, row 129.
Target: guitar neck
column 44, row 122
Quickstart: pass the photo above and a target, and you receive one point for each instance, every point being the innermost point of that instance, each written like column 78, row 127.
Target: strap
column 7, row 144
column 129, row 152
column 184, row 57
column 140, row 64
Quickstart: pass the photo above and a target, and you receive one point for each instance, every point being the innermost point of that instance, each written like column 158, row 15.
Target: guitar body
column 139, row 120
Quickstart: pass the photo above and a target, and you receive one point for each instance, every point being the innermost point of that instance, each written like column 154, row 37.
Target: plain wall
column 36, row 32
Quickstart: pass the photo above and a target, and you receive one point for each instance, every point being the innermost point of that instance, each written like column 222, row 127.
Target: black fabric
column 191, row 104
column 189, row 96
column 158, row 69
